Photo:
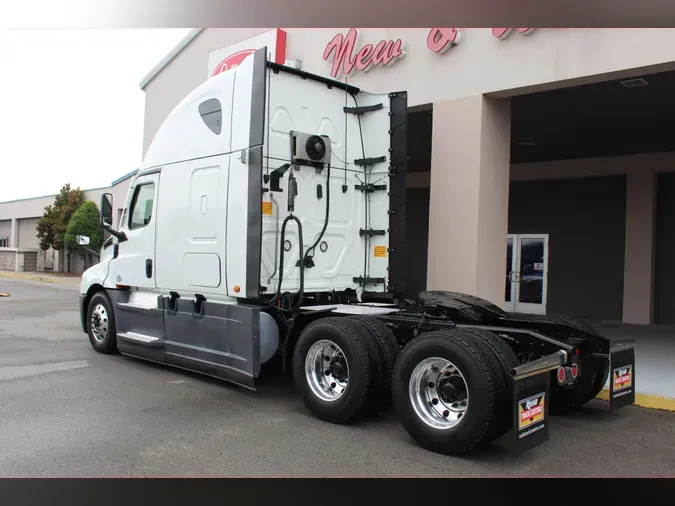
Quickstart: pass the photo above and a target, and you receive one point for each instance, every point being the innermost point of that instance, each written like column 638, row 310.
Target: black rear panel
column 398, row 188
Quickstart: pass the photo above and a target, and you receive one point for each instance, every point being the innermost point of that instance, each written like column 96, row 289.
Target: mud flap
column 531, row 387
column 622, row 375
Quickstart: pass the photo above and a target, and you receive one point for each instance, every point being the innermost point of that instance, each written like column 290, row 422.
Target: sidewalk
column 61, row 278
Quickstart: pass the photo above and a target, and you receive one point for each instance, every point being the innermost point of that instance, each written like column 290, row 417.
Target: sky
column 71, row 108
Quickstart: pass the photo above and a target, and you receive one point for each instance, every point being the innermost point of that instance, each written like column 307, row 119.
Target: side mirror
column 82, row 240
column 106, row 210
column 107, row 216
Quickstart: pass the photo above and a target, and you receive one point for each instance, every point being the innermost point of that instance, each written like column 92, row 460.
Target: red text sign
column 231, row 56
column 232, row 61
column 502, row 33
column 347, row 58
column 440, row 40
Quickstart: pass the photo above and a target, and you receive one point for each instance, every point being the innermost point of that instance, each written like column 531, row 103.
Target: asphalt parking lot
column 67, row 411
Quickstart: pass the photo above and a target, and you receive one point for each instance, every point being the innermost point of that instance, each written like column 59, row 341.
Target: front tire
column 446, row 391
column 101, row 324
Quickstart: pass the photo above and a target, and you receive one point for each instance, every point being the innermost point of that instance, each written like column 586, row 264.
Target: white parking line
column 24, row 371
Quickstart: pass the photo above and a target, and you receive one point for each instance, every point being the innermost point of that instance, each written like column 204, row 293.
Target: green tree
column 85, row 221
column 51, row 228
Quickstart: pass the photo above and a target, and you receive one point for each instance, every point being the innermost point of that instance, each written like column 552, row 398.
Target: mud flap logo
column 623, row 378
column 530, row 404
column 531, row 411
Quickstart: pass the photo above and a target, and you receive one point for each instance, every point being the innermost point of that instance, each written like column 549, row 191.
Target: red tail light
column 561, row 374
column 574, row 370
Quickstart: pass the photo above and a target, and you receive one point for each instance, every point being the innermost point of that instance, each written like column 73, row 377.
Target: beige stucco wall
column 468, row 208
column 479, row 64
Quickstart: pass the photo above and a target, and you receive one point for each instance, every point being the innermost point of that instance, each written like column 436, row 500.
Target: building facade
column 541, row 160
column 19, row 245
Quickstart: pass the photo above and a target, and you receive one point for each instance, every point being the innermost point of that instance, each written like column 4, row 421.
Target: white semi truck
column 267, row 222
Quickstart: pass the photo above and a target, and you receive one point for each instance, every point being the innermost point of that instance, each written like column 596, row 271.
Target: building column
column 468, row 209
column 20, row 262
column 638, row 276
column 14, row 234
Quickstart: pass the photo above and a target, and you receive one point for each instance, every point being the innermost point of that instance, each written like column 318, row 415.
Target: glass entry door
column 526, row 273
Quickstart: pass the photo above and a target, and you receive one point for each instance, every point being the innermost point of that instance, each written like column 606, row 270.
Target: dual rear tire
column 342, row 368
column 451, row 388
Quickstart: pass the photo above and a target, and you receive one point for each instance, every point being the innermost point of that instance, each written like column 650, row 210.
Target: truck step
column 133, row 337
column 137, row 307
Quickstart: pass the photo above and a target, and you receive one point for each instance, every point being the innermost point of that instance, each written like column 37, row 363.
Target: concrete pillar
column 638, row 276
column 58, row 261
column 14, row 234
column 41, row 260
column 468, row 211
column 19, row 263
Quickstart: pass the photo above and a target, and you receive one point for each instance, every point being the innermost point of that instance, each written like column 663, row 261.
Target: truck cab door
column 134, row 265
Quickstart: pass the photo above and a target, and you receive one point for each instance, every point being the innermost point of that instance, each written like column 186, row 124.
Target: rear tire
column 387, row 353
column 507, row 360
column 342, row 395
column 378, row 379
column 601, row 375
column 101, row 327
column 428, row 409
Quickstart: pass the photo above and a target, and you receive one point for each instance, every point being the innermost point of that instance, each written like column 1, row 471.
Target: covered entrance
column 591, row 195
column 590, row 167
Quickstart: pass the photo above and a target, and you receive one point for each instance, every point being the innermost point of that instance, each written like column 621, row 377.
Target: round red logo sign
column 232, row 61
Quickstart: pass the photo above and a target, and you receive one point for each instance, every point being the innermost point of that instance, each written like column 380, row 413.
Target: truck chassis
column 459, row 371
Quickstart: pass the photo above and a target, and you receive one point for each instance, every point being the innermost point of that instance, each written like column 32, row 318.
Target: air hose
column 325, row 223
column 301, row 289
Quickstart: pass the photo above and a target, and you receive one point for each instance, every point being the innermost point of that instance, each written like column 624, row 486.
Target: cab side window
column 141, row 206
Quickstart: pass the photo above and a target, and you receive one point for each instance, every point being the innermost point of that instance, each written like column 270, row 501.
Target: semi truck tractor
column 267, row 223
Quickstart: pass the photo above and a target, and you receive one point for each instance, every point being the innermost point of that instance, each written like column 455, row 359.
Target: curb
column 646, row 401
column 30, row 278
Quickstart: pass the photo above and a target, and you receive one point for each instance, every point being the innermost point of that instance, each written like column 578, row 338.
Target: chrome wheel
column 438, row 393
column 99, row 323
column 326, row 370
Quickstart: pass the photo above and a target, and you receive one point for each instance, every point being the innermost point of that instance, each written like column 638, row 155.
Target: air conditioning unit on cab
column 310, row 149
